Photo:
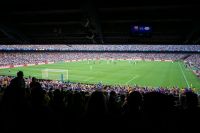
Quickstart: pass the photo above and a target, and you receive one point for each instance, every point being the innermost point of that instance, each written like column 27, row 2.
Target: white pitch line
column 132, row 79
column 88, row 79
column 184, row 76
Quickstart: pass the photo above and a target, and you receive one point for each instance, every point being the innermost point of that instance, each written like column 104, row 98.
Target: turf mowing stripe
column 184, row 76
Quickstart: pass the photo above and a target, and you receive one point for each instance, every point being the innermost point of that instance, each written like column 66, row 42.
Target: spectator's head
column 97, row 104
column 58, row 96
column 20, row 74
column 34, row 79
column 113, row 93
column 112, row 96
column 191, row 99
column 134, row 99
column 122, row 97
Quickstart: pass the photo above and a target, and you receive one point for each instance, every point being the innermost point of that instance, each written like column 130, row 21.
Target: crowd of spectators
column 134, row 47
column 27, row 106
column 194, row 60
column 122, row 89
column 20, row 58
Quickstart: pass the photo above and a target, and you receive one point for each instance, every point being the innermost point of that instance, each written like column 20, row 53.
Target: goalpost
column 55, row 74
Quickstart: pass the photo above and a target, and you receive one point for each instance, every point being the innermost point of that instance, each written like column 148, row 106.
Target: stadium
column 99, row 67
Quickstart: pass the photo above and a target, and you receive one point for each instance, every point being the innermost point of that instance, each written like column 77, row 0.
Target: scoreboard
column 141, row 30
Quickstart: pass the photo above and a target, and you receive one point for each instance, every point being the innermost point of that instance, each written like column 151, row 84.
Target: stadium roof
column 102, row 21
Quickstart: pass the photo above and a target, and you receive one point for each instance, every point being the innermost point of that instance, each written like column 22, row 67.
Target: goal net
column 55, row 74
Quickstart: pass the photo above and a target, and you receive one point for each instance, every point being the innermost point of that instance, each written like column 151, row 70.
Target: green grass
column 144, row 73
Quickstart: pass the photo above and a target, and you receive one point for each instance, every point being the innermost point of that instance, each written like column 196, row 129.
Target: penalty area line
column 134, row 77
column 88, row 79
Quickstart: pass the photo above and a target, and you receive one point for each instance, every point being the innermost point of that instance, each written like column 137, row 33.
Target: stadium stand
column 16, row 58
column 194, row 59
column 173, row 48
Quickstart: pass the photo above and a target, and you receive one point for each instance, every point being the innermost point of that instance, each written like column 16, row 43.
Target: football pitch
column 142, row 73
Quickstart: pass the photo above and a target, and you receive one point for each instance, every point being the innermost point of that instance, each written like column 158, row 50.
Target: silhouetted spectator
column 15, row 93
column 113, row 105
column 97, row 104
column 133, row 111
column 18, row 83
column 15, row 107
column 96, row 113
column 191, row 115
column 36, row 92
column 34, row 84
column 191, row 100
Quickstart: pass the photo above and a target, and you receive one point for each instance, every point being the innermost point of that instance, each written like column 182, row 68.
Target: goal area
column 55, row 74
